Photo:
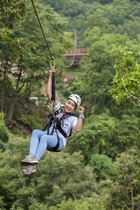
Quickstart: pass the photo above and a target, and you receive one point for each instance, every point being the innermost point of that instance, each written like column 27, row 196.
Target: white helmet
column 76, row 99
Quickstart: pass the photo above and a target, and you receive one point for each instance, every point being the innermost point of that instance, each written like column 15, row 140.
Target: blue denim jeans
column 40, row 142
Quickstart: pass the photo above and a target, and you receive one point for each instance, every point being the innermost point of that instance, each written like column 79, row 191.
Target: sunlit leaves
column 126, row 82
column 13, row 48
column 13, row 8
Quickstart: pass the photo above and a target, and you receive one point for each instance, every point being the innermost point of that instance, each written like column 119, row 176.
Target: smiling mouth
column 67, row 108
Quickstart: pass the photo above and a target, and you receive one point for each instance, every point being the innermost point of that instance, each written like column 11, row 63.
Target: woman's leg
column 34, row 141
column 47, row 141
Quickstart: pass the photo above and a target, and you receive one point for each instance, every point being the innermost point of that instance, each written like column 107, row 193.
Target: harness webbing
column 57, row 127
column 54, row 149
column 53, row 87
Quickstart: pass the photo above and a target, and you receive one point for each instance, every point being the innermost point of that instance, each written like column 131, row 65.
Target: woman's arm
column 79, row 124
column 49, row 84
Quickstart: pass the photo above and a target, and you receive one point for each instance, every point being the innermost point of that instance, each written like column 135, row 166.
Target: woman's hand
column 78, row 127
column 51, row 71
column 81, row 110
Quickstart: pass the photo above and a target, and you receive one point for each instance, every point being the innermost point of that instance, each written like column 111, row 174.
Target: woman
column 54, row 139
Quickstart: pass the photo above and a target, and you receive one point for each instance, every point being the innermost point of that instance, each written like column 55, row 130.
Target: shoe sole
column 28, row 173
column 28, row 163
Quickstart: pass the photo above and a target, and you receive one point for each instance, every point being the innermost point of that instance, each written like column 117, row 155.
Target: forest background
column 99, row 169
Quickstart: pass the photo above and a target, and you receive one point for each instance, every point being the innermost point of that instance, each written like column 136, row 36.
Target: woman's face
column 70, row 106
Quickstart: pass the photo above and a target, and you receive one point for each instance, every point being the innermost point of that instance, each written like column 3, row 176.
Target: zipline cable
column 52, row 58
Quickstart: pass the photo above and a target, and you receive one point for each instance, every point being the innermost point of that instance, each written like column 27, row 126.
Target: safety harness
column 57, row 123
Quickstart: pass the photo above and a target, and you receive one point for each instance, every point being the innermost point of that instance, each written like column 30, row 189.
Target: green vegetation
column 99, row 169
column 3, row 133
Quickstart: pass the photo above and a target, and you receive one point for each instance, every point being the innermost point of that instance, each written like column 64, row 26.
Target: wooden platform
column 75, row 54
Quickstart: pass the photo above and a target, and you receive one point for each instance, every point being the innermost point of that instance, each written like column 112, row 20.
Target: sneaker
column 29, row 169
column 29, row 159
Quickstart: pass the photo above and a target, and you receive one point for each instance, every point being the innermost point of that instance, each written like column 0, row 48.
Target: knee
column 35, row 131
column 43, row 138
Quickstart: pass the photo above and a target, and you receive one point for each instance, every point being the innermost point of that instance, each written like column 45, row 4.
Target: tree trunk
column 10, row 112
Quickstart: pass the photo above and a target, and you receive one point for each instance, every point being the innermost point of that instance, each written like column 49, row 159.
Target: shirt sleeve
column 57, row 108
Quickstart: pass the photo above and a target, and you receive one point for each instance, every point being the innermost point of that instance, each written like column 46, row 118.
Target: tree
column 105, row 134
column 103, row 167
column 13, row 9
column 125, row 190
column 3, row 133
column 59, row 176
column 98, row 68
column 92, row 203
column 29, row 52
column 126, row 81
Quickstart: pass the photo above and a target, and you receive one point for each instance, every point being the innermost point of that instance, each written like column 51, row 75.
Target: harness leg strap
column 54, row 149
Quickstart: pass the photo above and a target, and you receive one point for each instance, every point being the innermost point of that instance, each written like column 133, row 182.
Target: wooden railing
column 76, row 52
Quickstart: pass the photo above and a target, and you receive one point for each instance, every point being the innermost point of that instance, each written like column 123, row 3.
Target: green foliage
column 76, row 87
column 65, row 181
column 38, row 206
column 28, row 51
column 59, row 176
column 3, row 132
column 117, row 12
column 102, row 167
column 107, row 135
column 98, row 68
column 126, row 82
column 32, row 121
column 14, row 9
column 131, row 28
column 125, row 190
column 34, row 116
column 13, row 48
column 92, row 203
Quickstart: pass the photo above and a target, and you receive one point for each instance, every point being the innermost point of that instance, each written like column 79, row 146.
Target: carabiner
column 52, row 63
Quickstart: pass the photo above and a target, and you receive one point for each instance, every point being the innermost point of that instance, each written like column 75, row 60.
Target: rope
column 52, row 62
column 52, row 58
